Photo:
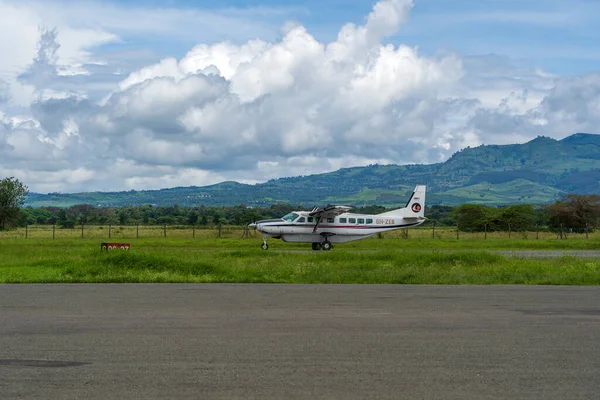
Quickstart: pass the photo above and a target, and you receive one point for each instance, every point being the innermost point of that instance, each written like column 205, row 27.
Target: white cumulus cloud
column 260, row 109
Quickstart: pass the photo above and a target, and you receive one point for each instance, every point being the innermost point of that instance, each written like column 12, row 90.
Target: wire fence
column 240, row 232
column 128, row 232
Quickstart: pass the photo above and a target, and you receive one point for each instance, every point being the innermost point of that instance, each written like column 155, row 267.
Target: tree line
column 576, row 212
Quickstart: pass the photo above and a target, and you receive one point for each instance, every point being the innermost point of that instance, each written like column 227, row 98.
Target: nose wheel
column 264, row 244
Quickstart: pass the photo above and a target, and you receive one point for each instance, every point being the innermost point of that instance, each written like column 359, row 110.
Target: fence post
column 509, row 230
column 560, row 233
column 220, row 229
column 433, row 232
column 137, row 231
column 537, row 231
column 193, row 231
column 586, row 230
column 165, row 230
column 457, row 231
column 53, row 231
column 485, row 231
column 82, row 230
column 109, row 226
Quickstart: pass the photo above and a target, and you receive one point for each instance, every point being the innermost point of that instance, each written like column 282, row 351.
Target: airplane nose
column 252, row 225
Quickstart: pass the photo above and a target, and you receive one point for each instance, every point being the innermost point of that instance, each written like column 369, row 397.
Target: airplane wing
column 327, row 212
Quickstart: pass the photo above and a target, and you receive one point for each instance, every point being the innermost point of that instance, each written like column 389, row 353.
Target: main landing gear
column 326, row 245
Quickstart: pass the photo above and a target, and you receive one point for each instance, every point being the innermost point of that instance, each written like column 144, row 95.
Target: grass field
column 418, row 259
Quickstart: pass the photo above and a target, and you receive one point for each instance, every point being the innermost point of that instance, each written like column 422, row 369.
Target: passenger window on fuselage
column 342, row 220
column 310, row 219
column 330, row 220
column 369, row 221
column 352, row 220
column 301, row 220
column 361, row 220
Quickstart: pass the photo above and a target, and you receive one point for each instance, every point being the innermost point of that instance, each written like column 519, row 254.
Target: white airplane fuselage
column 343, row 228
column 336, row 231
column 334, row 224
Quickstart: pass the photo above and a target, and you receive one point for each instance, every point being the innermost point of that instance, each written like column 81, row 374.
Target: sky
column 132, row 95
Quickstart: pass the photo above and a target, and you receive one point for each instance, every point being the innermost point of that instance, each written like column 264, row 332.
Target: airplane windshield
column 290, row 217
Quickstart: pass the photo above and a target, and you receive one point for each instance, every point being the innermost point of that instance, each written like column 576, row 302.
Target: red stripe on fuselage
column 341, row 226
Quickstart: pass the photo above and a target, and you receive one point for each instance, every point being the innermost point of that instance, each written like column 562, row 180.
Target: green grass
column 391, row 260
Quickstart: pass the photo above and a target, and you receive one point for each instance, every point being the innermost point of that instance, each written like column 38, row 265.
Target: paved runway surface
column 299, row 341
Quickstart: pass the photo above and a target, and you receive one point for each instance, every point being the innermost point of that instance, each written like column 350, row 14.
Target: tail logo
column 416, row 207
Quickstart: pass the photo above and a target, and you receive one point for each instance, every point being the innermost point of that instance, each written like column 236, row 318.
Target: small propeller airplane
column 334, row 224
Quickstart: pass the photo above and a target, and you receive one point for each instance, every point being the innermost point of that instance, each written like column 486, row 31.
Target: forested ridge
column 538, row 172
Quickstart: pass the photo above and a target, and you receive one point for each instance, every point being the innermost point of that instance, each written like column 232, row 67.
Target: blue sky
column 99, row 95
column 560, row 37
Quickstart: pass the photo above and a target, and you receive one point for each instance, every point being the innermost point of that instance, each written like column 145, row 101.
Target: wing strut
column 317, row 224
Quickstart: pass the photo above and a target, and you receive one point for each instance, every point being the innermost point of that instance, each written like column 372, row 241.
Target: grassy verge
column 235, row 260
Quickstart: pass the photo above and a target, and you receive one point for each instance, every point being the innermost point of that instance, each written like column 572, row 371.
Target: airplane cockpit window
column 301, row 220
column 290, row 217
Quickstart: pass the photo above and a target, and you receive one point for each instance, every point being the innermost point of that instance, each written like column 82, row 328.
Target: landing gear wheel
column 316, row 246
column 264, row 246
column 326, row 246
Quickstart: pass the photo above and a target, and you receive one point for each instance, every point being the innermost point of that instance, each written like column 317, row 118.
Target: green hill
column 539, row 171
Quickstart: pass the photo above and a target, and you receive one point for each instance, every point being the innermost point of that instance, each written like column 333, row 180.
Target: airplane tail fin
column 415, row 208
column 416, row 204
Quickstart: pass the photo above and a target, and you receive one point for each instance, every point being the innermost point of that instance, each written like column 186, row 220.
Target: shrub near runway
column 233, row 260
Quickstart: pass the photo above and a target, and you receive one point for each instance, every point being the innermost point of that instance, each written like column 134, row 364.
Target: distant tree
column 575, row 211
column 123, row 216
column 193, row 217
column 134, row 213
column 37, row 215
column 521, row 217
column 65, row 221
column 12, row 197
column 441, row 214
column 83, row 213
column 473, row 217
column 204, row 219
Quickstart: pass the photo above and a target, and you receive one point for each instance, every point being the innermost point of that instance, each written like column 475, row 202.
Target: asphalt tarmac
column 219, row 341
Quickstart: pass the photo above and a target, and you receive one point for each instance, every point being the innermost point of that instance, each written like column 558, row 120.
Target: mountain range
column 537, row 172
